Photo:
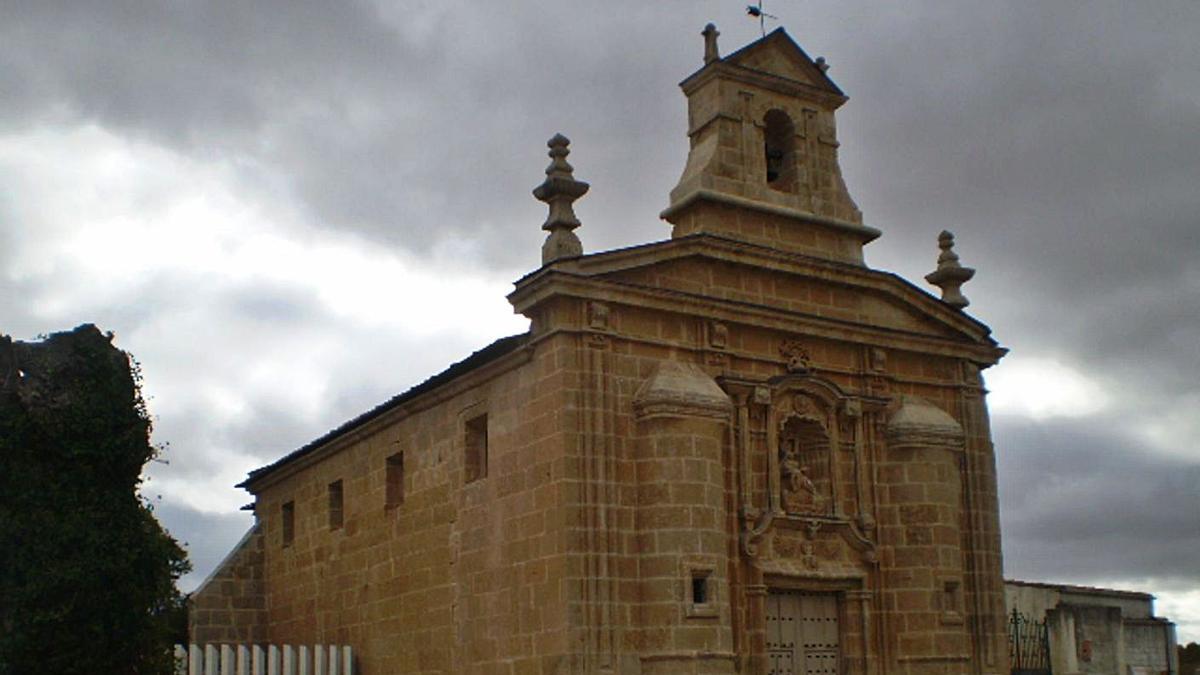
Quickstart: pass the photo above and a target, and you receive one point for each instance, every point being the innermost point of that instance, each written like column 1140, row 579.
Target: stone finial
column 559, row 191
column 949, row 275
column 711, row 53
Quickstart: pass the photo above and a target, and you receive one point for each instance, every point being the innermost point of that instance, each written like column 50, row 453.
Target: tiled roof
column 483, row 356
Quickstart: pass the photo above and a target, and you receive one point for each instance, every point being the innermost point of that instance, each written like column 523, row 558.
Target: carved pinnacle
column 949, row 275
column 559, row 191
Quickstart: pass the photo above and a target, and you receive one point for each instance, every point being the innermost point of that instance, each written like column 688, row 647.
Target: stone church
column 737, row 450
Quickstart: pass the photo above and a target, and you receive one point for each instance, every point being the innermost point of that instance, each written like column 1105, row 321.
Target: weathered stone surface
column 950, row 275
column 918, row 423
column 763, row 162
column 1096, row 630
column 681, row 389
column 559, row 191
column 694, row 434
column 230, row 606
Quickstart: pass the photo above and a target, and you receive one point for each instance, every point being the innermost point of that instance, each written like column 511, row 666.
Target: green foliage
column 1189, row 659
column 87, row 574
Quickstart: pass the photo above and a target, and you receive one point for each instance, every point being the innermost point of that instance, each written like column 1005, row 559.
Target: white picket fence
column 260, row 660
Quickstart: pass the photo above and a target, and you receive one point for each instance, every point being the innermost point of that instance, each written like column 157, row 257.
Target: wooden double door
column 803, row 633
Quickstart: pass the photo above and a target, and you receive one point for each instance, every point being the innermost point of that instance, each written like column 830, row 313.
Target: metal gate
column 802, row 633
column 1028, row 645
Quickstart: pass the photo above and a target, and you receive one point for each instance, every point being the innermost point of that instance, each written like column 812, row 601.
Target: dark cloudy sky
column 289, row 211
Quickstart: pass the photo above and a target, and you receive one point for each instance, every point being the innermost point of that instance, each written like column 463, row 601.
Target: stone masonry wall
column 1148, row 644
column 463, row 576
column 940, row 602
column 922, row 561
column 230, row 607
column 682, row 537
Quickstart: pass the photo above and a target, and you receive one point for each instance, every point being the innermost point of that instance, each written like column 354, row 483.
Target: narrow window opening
column 699, row 589
column 950, row 595
column 951, row 601
column 779, row 146
column 336, row 505
column 288, row 513
column 701, row 600
column 395, row 481
column 476, row 448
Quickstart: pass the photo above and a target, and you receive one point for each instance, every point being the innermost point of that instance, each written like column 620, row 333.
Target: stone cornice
column 863, row 233
column 767, row 81
column 680, row 408
column 930, row 437
column 558, row 283
column 580, row 278
column 869, row 401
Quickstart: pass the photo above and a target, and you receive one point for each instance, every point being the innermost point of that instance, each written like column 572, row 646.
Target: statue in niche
column 805, row 409
column 805, row 471
column 800, row 494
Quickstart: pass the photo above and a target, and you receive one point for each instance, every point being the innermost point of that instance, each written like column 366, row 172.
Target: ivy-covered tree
column 87, row 574
column 1189, row 658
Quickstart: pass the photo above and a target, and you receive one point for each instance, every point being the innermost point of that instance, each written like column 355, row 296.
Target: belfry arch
column 779, row 150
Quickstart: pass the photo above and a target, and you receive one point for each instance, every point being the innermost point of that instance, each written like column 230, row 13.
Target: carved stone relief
column 598, row 316
column 804, row 465
column 800, row 494
column 718, row 340
column 718, row 335
column 798, row 359
column 809, row 431
column 878, row 360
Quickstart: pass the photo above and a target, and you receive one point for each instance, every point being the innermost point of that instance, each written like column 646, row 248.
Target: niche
column 805, row 467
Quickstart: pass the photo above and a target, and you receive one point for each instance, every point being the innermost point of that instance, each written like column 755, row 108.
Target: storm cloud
column 290, row 211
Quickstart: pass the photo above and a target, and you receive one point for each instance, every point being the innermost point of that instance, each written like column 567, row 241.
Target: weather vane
column 757, row 12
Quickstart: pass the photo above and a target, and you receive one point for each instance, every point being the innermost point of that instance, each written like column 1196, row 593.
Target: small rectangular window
column 951, row 601
column 336, row 504
column 395, row 481
column 476, row 457
column 288, row 513
column 700, row 594
column 699, row 589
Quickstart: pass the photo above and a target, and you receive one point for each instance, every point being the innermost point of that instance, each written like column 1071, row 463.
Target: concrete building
column 1096, row 630
column 739, row 449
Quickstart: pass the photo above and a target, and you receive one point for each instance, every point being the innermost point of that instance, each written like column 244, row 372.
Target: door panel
column 802, row 633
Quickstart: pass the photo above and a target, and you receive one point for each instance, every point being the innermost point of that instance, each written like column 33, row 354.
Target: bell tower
column 763, row 164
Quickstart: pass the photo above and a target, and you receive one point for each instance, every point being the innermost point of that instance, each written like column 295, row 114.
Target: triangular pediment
column 875, row 303
column 787, row 287
column 778, row 54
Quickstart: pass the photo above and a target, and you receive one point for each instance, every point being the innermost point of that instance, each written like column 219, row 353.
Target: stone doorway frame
column 856, row 651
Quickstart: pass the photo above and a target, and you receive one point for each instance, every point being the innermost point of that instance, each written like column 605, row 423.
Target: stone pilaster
column 986, row 606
